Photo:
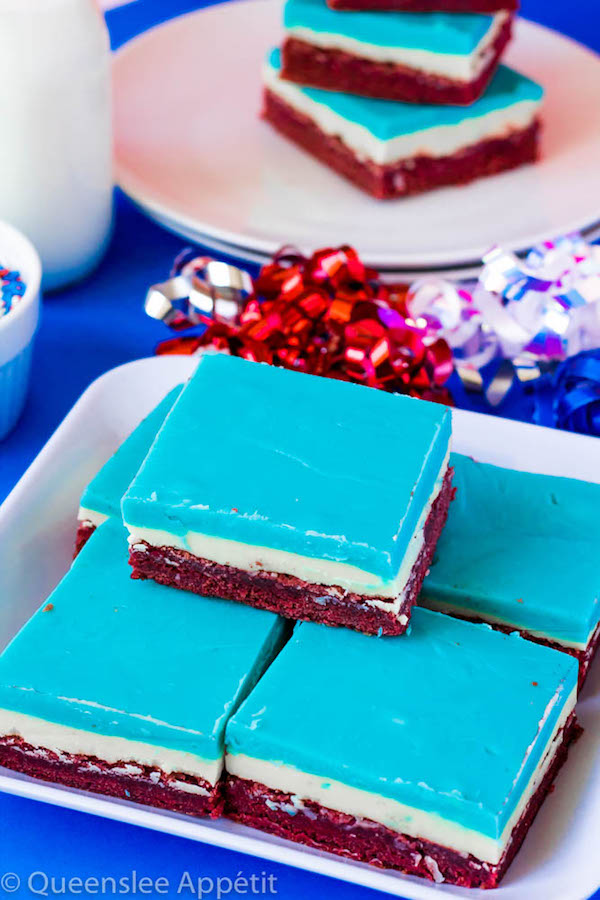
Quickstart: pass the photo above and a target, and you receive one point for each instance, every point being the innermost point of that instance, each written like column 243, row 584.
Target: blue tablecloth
column 85, row 331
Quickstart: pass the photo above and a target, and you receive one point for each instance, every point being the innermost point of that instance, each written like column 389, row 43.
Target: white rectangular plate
column 560, row 858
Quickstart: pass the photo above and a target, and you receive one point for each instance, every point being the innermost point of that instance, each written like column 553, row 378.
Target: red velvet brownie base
column 408, row 176
column 336, row 70
column 84, row 532
column 474, row 6
column 152, row 787
column 287, row 595
column 316, row 826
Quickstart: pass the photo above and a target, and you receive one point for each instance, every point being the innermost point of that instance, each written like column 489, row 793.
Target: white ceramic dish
column 192, row 152
column 18, row 327
column 559, row 860
column 245, row 257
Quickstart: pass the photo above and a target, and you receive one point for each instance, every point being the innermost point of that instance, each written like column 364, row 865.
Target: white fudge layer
column 444, row 140
column 251, row 558
column 91, row 517
column 62, row 740
column 397, row 816
column 462, row 68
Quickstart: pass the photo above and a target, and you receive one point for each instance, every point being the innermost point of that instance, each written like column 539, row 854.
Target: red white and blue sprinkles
column 12, row 288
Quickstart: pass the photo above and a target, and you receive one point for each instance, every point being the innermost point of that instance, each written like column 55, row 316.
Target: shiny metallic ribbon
column 201, row 290
column 569, row 398
column 326, row 314
column 530, row 313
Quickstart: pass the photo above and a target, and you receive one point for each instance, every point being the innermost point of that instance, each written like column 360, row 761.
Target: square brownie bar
column 124, row 688
column 312, row 497
column 432, row 755
column 102, row 497
column 396, row 149
column 520, row 552
column 440, row 58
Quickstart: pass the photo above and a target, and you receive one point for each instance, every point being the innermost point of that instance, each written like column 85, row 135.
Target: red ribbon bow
column 330, row 315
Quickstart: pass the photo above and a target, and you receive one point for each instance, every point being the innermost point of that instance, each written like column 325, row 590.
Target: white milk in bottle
column 56, row 137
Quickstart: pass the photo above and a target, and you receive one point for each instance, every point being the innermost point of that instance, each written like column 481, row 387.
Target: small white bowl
column 18, row 327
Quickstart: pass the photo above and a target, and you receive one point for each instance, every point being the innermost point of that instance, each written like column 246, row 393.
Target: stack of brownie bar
column 259, row 507
column 402, row 96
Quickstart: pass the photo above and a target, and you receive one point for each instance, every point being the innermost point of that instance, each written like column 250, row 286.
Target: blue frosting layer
column 141, row 661
column 274, row 458
column 388, row 119
column 440, row 720
column 105, row 492
column 522, row 548
column 456, row 34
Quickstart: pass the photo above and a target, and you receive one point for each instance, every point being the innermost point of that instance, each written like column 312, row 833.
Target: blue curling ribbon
column 569, row 398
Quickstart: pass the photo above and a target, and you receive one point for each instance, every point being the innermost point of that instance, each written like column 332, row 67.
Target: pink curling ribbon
column 532, row 313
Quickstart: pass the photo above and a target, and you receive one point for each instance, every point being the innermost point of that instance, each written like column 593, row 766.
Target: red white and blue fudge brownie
column 434, row 758
column 311, row 497
column 95, row 696
column 432, row 57
column 102, row 497
column 520, row 551
column 472, row 6
column 396, row 149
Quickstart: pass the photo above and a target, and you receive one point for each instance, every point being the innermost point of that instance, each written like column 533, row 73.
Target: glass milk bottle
column 56, row 143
